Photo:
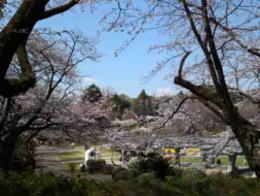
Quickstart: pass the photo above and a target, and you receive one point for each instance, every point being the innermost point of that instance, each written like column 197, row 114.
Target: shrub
column 197, row 172
column 82, row 168
column 146, row 179
column 72, row 167
column 175, row 172
column 167, row 189
column 188, row 183
column 96, row 165
column 122, row 174
column 108, row 169
column 153, row 163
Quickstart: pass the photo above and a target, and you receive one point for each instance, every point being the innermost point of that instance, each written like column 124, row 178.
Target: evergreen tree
column 120, row 103
column 143, row 95
column 143, row 105
column 92, row 94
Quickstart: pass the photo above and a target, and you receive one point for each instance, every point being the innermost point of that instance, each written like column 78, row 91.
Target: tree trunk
column 246, row 133
column 218, row 98
column 17, row 31
column 14, row 35
column 249, row 139
column 6, row 153
column 232, row 159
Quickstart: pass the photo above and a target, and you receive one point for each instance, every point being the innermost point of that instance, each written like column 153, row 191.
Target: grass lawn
column 224, row 160
column 189, row 160
column 79, row 155
column 107, row 153
column 239, row 162
column 70, row 156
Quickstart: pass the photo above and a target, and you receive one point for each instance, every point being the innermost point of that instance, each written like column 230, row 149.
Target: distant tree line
column 142, row 105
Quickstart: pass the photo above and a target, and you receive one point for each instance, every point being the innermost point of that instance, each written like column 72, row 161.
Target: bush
column 153, row 163
column 82, row 168
column 96, row 165
column 122, row 174
column 72, row 167
column 146, row 179
column 188, row 183
column 108, row 169
column 175, row 172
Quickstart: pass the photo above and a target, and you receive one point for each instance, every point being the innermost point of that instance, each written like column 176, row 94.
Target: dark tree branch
column 217, row 65
column 182, row 63
column 24, row 63
column 59, row 10
column 12, row 87
column 208, row 93
column 202, row 44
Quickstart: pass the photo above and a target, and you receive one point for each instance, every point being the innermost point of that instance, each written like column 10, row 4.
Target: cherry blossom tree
column 22, row 16
column 55, row 58
column 220, row 37
column 87, row 121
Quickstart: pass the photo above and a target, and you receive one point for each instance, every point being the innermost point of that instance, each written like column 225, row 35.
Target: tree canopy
column 92, row 94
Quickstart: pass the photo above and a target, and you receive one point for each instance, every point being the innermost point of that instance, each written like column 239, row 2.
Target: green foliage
column 145, row 179
column 92, row 94
column 96, row 165
column 70, row 156
column 180, row 183
column 20, row 148
column 23, row 156
column 143, row 95
column 108, row 169
column 241, row 161
column 152, row 163
column 38, row 185
column 72, row 167
column 119, row 103
column 175, row 172
column 122, row 174
column 143, row 105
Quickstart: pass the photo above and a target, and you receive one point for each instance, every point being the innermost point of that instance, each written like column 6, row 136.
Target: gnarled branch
column 12, row 87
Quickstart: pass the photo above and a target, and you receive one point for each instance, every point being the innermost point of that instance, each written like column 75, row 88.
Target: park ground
column 60, row 158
